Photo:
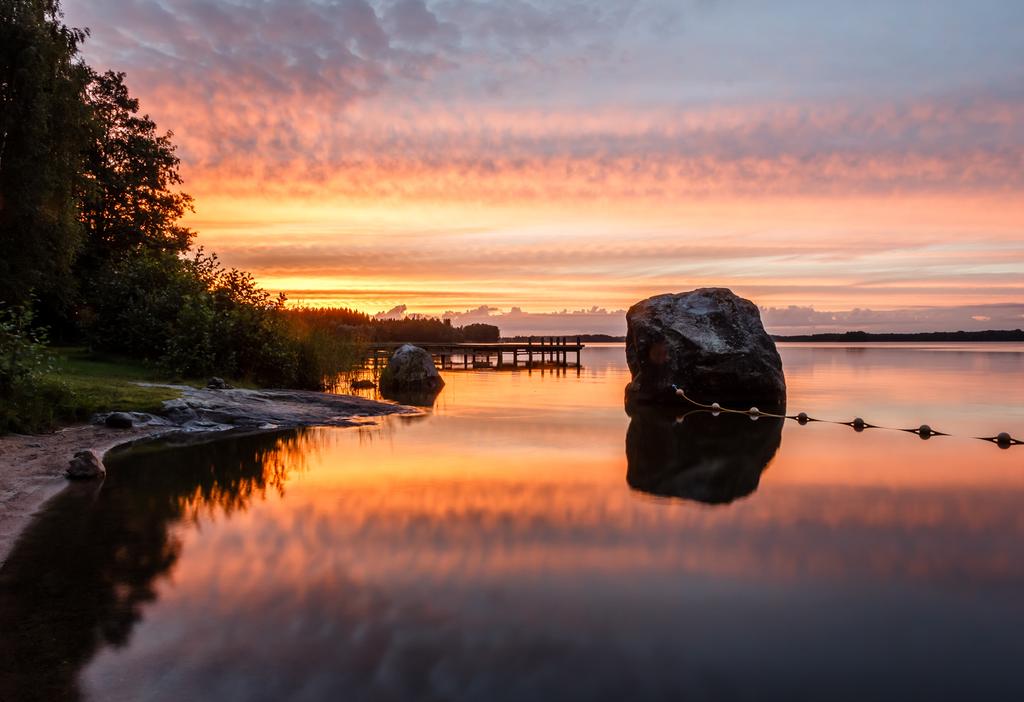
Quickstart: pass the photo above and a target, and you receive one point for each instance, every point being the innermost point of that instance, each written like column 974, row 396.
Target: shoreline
column 32, row 465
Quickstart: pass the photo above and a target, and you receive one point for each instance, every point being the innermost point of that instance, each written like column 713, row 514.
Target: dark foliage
column 28, row 399
column 129, row 203
column 43, row 131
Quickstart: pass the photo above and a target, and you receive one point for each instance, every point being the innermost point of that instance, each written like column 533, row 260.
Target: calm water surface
column 526, row 539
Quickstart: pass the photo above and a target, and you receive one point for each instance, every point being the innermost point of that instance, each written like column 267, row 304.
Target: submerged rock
column 86, row 465
column 699, row 456
column 709, row 342
column 410, row 371
column 119, row 420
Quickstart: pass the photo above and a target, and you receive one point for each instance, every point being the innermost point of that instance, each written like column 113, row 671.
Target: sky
column 545, row 165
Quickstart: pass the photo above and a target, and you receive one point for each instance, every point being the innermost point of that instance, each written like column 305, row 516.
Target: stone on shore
column 119, row 420
column 216, row 383
column 86, row 465
column 411, row 377
column 708, row 342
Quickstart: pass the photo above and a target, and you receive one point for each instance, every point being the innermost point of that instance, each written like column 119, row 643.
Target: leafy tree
column 43, row 131
column 130, row 203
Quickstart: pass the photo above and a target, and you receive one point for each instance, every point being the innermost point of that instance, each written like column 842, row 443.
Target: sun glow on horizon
column 377, row 155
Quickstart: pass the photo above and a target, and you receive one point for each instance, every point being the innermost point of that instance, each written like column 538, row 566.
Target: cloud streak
column 421, row 152
column 391, row 101
column 784, row 320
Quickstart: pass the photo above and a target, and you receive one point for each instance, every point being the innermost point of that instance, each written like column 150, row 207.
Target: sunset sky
column 846, row 165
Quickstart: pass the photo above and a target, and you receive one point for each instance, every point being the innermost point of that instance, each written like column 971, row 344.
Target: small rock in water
column 216, row 383
column 363, row 384
column 86, row 465
column 1004, row 440
column 411, row 369
column 119, row 420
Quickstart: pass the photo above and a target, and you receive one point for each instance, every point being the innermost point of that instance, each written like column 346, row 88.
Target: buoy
column 858, row 424
column 753, row 411
column 924, row 431
column 802, row 418
column 1004, row 440
column 716, row 407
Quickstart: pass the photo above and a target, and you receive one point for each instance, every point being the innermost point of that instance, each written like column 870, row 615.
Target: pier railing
column 535, row 352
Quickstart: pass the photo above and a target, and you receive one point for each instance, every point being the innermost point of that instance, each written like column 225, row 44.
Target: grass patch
column 102, row 383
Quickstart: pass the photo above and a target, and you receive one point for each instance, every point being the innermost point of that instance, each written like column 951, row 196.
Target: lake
column 526, row 539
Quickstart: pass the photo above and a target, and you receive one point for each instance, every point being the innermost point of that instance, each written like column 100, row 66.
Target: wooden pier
column 536, row 352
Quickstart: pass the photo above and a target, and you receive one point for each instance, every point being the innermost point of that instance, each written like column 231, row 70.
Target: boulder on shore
column 216, row 383
column 86, row 465
column 708, row 342
column 119, row 420
column 410, row 370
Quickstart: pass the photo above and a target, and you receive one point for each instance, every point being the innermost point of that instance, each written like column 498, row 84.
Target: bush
column 195, row 319
column 28, row 400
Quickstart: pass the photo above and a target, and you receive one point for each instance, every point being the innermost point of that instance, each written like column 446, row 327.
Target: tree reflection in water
column 78, row 577
column 698, row 456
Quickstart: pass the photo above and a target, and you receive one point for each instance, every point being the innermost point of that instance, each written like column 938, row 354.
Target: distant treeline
column 861, row 336
column 343, row 320
column 849, row 337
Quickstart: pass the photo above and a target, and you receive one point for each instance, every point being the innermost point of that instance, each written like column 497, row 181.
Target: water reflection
column 489, row 550
column 78, row 578
column 699, row 456
column 423, row 398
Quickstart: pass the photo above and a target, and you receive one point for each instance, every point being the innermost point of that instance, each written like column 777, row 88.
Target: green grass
column 106, row 383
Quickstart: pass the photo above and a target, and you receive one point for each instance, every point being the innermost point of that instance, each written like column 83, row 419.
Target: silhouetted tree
column 130, row 203
column 43, row 131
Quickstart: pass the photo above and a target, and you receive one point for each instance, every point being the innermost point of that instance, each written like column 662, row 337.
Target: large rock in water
column 710, row 343
column 410, row 371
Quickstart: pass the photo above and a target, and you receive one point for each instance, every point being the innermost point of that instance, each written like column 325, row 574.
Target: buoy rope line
column 1002, row 440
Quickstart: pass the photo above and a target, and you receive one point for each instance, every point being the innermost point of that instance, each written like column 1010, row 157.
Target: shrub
column 28, row 400
column 196, row 318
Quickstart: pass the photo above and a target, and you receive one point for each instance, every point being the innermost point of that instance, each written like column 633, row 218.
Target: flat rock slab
column 205, row 410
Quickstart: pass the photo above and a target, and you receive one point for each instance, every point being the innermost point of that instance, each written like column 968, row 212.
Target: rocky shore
column 32, row 468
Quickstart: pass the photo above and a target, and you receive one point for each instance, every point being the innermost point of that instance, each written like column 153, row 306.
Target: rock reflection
column 699, row 456
column 78, row 577
column 425, row 398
